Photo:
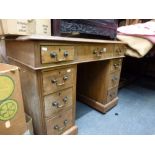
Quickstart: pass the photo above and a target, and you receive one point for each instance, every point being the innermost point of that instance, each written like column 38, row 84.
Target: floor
column 134, row 114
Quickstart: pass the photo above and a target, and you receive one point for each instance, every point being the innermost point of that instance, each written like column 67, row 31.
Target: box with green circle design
column 12, row 116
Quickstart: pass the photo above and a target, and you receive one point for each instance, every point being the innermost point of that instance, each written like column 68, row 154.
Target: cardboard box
column 25, row 27
column 12, row 116
column 14, row 27
column 39, row 26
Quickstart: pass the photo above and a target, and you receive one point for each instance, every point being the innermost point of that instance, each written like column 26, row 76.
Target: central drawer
column 57, row 79
column 58, row 101
column 59, row 123
column 85, row 52
column 53, row 53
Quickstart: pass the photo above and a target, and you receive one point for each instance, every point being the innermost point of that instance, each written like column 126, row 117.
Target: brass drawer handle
column 116, row 65
column 56, row 104
column 61, row 59
column 98, row 54
column 58, row 84
column 114, row 78
column 55, row 55
column 65, row 56
column 54, row 81
column 57, row 127
column 65, row 78
column 65, row 99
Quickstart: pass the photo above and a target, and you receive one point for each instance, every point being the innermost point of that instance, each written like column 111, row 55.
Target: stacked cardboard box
column 25, row 27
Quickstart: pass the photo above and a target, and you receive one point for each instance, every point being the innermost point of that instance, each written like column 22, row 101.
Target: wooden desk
column 49, row 67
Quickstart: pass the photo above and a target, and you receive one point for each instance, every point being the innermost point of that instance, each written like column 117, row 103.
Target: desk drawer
column 112, row 93
column 114, row 79
column 85, row 52
column 58, row 101
column 116, row 64
column 57, row 79
column 51, row 54
column 59, row 123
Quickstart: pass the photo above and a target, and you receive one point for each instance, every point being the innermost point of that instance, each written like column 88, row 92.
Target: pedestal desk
column 52, row 67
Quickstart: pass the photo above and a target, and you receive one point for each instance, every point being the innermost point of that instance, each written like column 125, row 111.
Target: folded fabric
column 150, row 38
column 143, row 30
column 139, row 47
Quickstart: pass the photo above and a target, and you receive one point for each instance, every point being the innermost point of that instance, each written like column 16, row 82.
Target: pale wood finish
column 57, row 79
column 18, row 122
column 56, row 54
column 112, row 93
column 44, row 82
column 110, row 104
column 97, row 83
column 94, row 52
column 92, row 80
column 83, row 52
column 97, row 105
column 69, row 39
column 33, row 95
column 58, row 101
column 59, row 123
column 114, row 79
column 24, row 52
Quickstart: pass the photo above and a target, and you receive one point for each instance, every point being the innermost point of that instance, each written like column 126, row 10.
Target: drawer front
column 85, row 52
column 58, row 101
column 116, row 64
column 59, row 123
column 114, row 79
column 112, row 93
column 57, row 79
column 119, row 50
column 51, row 54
